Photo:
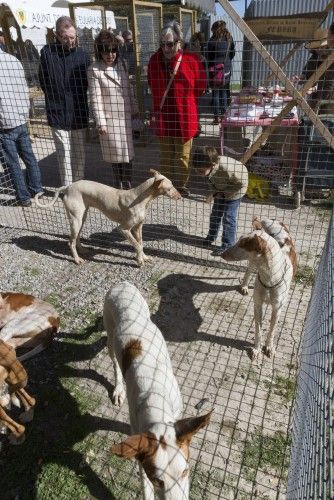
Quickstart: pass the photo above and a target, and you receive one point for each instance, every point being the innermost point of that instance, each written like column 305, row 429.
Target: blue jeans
column 15, row 143
column 221, row 99
column 225, row 211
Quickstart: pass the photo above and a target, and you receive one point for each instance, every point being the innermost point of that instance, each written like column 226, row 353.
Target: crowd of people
column 177, row 77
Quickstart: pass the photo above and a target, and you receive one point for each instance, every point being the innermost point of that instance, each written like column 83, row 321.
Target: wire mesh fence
column 89, row 119
column 311, row 464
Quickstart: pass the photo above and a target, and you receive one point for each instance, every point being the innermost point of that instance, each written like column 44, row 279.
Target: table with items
column 276, row 162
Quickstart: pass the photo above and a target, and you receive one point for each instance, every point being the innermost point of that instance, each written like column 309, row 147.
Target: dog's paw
column 119, row 395
column 268, row 351
column 244, row 290
column 79, row 260
column 27, row 416
column 254, row 354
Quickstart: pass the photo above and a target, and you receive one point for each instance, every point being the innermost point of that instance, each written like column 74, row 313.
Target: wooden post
column 297, row 96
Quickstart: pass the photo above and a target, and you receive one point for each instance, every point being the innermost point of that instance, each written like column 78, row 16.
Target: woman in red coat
column 176, row 112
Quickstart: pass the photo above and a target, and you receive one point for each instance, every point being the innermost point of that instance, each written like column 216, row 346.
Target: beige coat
column 113, row 104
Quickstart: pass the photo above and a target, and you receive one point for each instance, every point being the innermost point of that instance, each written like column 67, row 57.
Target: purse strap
column 177, row 65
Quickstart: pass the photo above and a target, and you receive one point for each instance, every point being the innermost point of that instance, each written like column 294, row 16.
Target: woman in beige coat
column 113, row 106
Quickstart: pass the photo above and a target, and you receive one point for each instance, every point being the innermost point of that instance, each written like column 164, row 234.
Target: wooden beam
column 297, row 96
column 294, row 49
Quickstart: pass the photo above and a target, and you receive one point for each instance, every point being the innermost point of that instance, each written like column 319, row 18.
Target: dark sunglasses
column 107, row 49
column 169, row 45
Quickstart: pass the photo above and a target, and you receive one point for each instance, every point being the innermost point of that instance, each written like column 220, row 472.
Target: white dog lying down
column 275, row 261
column 27, row 324
column 139, row 352
column 128, row 208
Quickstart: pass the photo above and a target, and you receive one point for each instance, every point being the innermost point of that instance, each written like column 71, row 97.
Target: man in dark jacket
column 63, row 78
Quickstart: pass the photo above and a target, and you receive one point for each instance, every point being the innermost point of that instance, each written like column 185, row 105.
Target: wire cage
column 208, row 156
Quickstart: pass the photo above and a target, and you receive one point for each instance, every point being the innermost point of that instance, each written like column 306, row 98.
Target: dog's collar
column 276, row 284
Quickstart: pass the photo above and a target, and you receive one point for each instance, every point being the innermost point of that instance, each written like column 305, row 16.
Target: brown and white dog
column 139, row 353
column 280, row 232
column 27, row 324
column 274, row 258
column 128, row 208
column 13, row 380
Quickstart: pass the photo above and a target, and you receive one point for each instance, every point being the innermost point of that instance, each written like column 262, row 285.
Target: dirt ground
column 208, row 326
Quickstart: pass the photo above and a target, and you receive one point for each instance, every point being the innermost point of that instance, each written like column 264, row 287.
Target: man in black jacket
column 63, row 78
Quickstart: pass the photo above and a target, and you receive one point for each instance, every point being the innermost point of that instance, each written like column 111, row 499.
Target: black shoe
column 25, row 203
column 206, row 243
column 126, row 185
column 218, row 252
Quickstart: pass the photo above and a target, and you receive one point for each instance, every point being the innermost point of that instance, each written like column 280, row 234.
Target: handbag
column 156, row 118
column 217, row 75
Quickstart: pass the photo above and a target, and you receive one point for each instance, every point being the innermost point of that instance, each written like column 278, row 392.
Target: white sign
column 30, row 14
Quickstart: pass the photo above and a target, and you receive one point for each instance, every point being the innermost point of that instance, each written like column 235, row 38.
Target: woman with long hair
column 113, row 106
column 220, row 53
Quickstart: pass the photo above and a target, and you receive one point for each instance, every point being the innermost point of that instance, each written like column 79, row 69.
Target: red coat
column 179, row 116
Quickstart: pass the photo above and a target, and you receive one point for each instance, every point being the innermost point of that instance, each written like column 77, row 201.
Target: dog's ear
column 136, row 446
column 285, row 227
column 256, row 223
column 187, row 427
column 153, row 172
column 260, row 245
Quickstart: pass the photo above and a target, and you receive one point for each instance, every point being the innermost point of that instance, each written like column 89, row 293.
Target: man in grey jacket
column 14, row 136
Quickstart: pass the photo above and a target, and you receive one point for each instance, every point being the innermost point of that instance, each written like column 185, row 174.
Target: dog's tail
column 53, row 201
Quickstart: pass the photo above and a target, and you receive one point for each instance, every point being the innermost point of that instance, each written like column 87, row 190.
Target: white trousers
column 71, row 155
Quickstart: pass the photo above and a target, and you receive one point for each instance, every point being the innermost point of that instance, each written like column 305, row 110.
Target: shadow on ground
column 60, row 423
column 177, row 309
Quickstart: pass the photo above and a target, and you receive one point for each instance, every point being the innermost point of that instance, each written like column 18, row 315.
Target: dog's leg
column 269, row 349
column 148, row 490
column 137, row 232
column 246, row 279
column 119, row 391
column 28, row 403
column 80, row 248
column 75, row 219
column 138, row 248
column 13, row 426
column 258, row 313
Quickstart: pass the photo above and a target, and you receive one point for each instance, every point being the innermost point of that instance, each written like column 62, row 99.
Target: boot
column 118, row 175
column 126, row 175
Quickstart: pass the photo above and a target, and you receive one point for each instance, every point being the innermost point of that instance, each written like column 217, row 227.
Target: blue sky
column 238, row 5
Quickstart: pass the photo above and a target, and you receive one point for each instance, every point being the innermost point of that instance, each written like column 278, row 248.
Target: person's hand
column 295, row 78
column 103, row 130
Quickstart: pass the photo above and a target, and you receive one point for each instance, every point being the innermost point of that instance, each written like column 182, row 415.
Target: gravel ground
column 208, row 326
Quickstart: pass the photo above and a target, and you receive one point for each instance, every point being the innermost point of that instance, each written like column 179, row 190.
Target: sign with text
column 285, row 28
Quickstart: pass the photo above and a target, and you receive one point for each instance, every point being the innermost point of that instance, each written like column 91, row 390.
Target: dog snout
column 175, row 195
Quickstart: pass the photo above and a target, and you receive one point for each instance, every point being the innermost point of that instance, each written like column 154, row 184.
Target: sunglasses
column 169, row 45
column 105, row 49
